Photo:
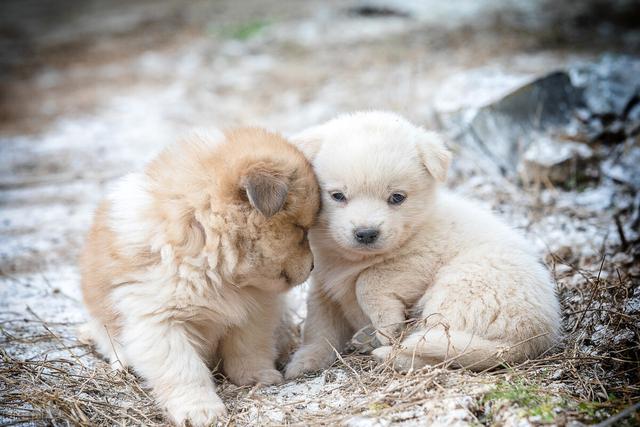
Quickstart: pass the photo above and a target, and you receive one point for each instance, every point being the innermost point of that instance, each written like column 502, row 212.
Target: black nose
column 365, row 235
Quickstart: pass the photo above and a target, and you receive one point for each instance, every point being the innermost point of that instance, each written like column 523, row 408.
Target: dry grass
column 64, row 384
column 47, row 377
column 588, row 380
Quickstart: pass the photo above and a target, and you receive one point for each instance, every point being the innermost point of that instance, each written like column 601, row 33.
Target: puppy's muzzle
column 366, row 235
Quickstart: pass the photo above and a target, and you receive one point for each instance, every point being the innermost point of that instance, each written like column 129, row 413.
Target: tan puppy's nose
column 366, row 235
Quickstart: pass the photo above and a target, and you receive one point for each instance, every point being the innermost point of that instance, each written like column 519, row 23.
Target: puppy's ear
column 435, row 154
column 266, row 191
column 309, row 141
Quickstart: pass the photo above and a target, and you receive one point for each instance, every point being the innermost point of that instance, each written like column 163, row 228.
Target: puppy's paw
column 263, row 376
column 381, row 354
column 383, row 338
column 198, row 410
column 387, row 335
column 401, row 362
column 364, row 341
column 304, row 361
column 84, row 332
column 269, row 376
column 296, row 369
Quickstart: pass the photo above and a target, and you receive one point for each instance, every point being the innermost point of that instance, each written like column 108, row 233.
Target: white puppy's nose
column 366, row 235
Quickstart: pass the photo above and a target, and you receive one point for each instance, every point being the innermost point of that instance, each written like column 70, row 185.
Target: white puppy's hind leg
column 162, row 353
column 461, row 348
column 401, row 360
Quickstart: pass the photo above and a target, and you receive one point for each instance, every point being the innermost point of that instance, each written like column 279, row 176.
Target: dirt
column 91, row 91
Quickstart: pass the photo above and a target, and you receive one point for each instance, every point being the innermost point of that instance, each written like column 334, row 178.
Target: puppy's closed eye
column 305, row 234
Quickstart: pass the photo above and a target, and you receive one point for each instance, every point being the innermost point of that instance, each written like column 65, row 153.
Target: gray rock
column 561, row 163
column 604, row 97
column 622, row 163
column 504, row 129
column 632, row 124
column 634, row 113
column 609, row 85
column 596, row 102
column 613, row 133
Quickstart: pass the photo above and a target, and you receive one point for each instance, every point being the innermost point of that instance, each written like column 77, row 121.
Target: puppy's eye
column 396, row 198
column 338, row 196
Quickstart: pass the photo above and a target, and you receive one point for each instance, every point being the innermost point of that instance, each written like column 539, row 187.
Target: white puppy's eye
column 338, row 196
column 396, row 198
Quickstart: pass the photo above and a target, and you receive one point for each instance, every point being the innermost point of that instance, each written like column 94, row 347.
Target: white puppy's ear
column 435, row 154
column 309, row 141
column 266, row 191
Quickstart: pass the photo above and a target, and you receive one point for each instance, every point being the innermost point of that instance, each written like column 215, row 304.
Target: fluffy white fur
column 482, row 294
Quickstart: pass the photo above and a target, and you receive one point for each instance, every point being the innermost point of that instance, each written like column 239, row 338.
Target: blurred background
column 90, row 89
column 540, row 100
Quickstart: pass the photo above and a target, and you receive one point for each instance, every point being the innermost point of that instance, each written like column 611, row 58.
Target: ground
column 91, row 90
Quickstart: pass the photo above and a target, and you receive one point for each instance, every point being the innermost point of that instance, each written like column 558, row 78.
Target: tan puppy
column 188, row 260
column 389, row 243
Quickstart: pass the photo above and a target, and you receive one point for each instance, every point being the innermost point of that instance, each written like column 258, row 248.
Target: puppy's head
column 378, row 174
column 272, row 199
column 245, row 202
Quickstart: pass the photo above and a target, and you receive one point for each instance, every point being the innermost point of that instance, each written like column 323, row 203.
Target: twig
column 621, row 415
column 623, row 239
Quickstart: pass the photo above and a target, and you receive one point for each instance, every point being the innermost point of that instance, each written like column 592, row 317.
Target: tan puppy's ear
column 309, row 141
column 266, row 191
column 435, row 154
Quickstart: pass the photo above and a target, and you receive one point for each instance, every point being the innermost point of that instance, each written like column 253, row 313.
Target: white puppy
column 389, row 240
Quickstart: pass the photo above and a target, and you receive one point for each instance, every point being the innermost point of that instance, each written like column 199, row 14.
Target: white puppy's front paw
column 306, row 360
column 387, row 335
column 199, row 409
column 383, row 338
column 364, row 341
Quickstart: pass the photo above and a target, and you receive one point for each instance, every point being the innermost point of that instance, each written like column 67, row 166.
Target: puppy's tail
column 458, row 348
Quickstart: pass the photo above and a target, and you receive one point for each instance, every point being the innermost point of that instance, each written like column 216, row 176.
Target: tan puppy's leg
column 93, row 333
column 161, row 351
column 384, row 293
column 249, row 351
column 325, row 329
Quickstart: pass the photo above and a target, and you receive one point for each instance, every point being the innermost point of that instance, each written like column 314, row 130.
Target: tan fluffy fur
column 188, row 260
